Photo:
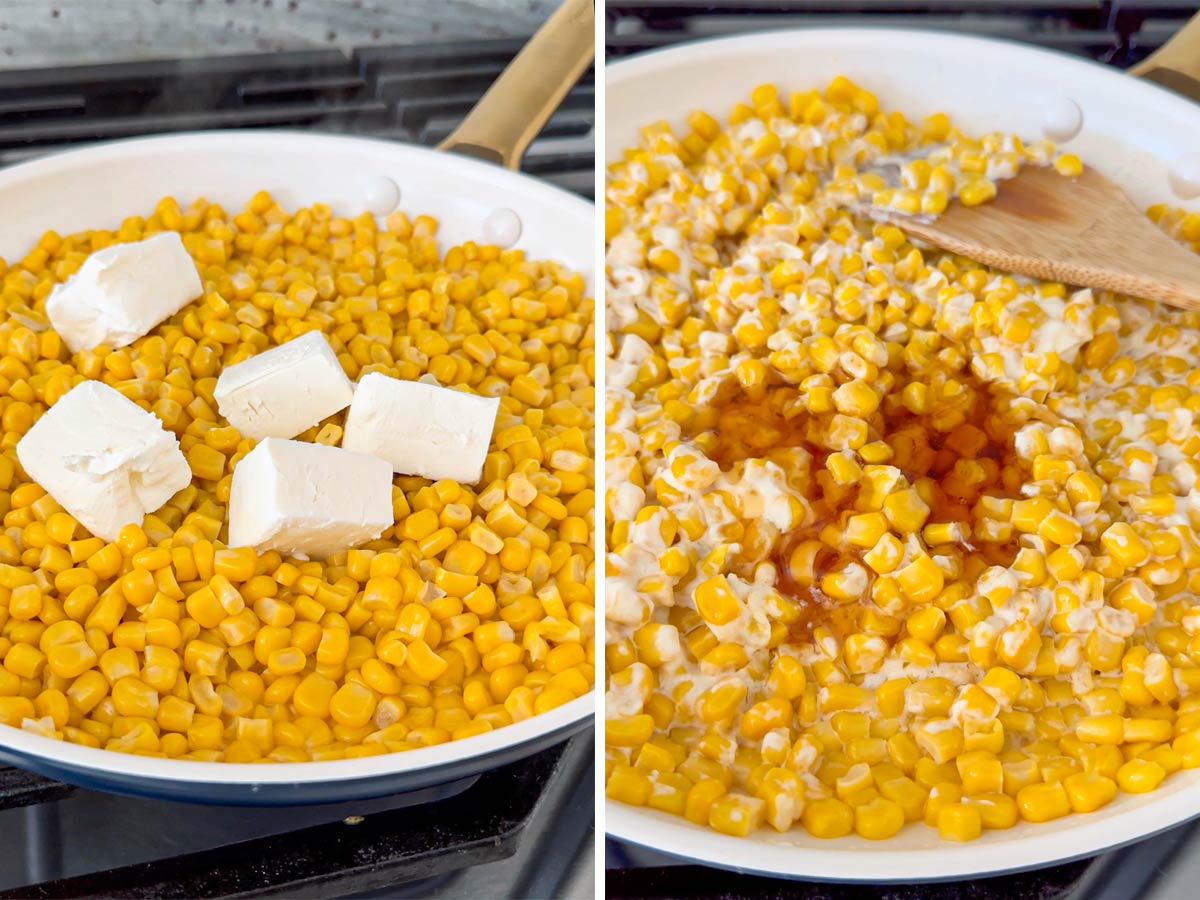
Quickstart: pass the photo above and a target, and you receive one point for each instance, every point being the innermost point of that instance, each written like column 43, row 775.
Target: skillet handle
column 1176, row 64
column 519, row 102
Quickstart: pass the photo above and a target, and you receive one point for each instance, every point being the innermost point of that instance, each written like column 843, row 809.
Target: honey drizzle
column 759, row 425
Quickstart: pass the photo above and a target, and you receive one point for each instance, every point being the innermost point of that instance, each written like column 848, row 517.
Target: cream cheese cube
column 122, row 291
column 308, row 499
column 284, row 390
column 421, row 429
column 105, row 460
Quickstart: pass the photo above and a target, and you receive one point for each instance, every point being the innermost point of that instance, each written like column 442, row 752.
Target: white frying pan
column 1142, row 136
column 99, row 186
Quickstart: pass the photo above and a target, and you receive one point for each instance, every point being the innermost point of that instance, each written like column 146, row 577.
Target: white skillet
column 99, row 186
column 1133, row 132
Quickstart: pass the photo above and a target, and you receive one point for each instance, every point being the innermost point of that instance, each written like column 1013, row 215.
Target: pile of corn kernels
column 893, row 537
column 475, row 610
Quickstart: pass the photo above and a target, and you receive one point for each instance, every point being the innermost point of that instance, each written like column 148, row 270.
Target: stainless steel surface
column 545, row 867
column 72, row 32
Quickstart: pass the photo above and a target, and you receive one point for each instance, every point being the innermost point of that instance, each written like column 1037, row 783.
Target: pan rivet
column 1185, row 176
column 380, row 195
column 1063, row 120
column 502, row 227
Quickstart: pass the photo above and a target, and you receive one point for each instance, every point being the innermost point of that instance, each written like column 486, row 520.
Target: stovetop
column 1155, row 869
column 1116, row 32
column 414, row 93
column 1119, row 32
column 524, row 830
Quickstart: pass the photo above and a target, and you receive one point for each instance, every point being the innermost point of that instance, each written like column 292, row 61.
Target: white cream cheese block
column 105, row 460
column 308, row 499
column 122, row 291
column 421, row 429
column 284, row 390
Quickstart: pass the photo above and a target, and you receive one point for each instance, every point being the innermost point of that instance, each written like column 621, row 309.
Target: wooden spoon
column 1081, row 230
column 514, row 109
column 1176, row 64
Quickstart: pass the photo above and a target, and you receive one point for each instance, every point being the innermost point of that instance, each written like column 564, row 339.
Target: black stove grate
column 416, row 94
column 1134, row 872
column 411, row 850
column 19, row 788
column 1119, row 32
column 355, row 854
column 700, row 883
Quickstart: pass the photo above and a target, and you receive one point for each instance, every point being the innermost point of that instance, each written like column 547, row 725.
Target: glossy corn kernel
column 1043, row 802
column 828, row 818
column 959, row 822
column 1088, row 792
column 1140, row 776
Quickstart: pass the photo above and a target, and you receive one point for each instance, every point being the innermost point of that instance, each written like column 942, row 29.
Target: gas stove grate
column 352, row 849
column 1134, row 872
column 416, row 94
column 700, row 883
column 1119, row 32
column 357, row 853
column 19, row 789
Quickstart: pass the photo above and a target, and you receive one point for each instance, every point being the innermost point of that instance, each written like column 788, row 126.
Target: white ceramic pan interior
column 1133, row 132
column 97, row 188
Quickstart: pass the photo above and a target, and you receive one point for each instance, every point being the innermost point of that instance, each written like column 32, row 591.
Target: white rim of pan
column 379, row 156
column 992, row 854
column 88, row 760
column 852, row 859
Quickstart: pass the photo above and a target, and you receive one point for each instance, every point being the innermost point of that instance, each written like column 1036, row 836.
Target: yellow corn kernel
column 719, row 702
column 959, row 822
column 1043, row 802
column 996, row 811
column 829, row 818
column 716, row 602
column 1068, row 164
column 921, row 580
column 1101, row 729
column 736, row 814
column 632, row 731
column 879, row 819
column 628, row 785
column 700, row 799
column 906, row 511
column 1088, row 791
column 24, row 660
column 981, row 773
column 1125, row 545
column 1140, row 776
column 978, row 191
column 787, row 679
column 313, row 694
column 352, row 705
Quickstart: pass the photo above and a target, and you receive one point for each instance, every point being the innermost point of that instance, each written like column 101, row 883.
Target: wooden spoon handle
column 1176, row 64
column 519, row 102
